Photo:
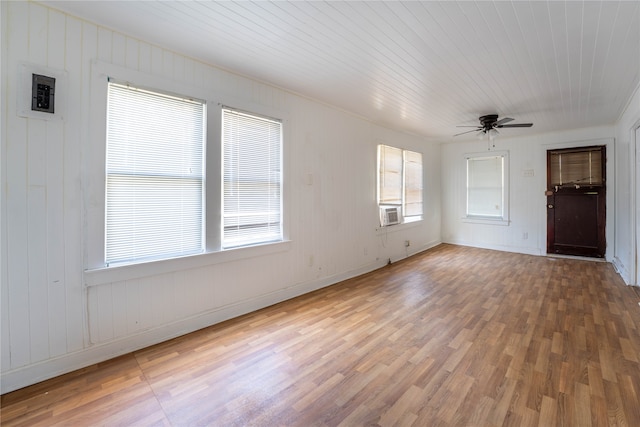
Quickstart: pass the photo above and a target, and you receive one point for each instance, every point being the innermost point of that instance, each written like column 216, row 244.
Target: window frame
column 225, row 168
column 487, row 219
column 201, row 177
column 94, row 177
column 404, row 219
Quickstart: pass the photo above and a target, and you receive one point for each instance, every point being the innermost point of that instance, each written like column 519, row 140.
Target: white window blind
column 389, row 175
column 252, row 179
column 412, row 184
column 400, row 180
column 485, row 186
column 155, row 175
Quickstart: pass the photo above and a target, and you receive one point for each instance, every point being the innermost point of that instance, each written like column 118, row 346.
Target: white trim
column 504, row 220
column 382, row 230
column 609, row 185
column 407, row 254
column 401, row 206
column 31, row 374
column 94, row 158
column 503, row 248
column 101, row 276
column 622, row 270
column 485, row 220
column 633, row 277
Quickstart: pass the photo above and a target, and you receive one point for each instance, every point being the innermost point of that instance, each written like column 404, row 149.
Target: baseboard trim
column 96, row 353
column 622, row 270
column 423, row 248
column 502, row 248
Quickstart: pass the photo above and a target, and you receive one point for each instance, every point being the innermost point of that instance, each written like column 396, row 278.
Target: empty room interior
column 320, row 213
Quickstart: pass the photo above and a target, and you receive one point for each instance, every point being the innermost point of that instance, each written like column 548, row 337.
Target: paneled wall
column 53, row 322
column 627, row 167
column 526, row 231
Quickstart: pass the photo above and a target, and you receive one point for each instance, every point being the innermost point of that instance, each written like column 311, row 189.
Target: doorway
column 576, row 201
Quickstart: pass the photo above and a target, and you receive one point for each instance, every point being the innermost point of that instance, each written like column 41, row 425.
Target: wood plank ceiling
column 423, row 67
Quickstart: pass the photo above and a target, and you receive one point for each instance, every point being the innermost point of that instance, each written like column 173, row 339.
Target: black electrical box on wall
column 43, row 90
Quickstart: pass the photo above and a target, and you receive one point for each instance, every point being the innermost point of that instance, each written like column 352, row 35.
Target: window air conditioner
column 389, row 215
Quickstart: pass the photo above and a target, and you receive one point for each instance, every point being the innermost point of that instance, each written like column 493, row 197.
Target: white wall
column 627, row 173
column 526, row 232
column 56, row 317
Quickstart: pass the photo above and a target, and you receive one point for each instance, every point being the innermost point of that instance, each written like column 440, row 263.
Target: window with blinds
column 412, row 184
column 154, row 175
column 252, row 179
column 400, row 180
column 485, row 187
column 581, row 167
column 389, row 175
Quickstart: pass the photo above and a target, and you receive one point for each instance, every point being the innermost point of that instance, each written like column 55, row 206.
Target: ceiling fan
column 490, row 124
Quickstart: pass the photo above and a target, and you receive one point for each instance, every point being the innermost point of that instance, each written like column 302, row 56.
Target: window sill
column 100, row 276
column 399, row 227
column 485, row 220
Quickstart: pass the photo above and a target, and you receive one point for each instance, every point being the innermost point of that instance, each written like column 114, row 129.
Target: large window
column 176, row 177
column 154, row 175
column 400, row 181
column 486, row 187
column 252, row 179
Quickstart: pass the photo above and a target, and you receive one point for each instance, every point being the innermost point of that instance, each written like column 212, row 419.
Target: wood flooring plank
column 450, row 337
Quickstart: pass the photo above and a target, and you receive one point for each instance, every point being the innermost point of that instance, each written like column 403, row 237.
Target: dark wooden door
column 576, row 202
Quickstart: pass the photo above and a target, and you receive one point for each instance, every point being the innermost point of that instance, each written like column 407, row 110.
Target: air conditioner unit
column 389, row 215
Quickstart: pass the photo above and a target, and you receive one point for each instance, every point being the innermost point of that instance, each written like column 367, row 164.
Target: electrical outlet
column 407, row 243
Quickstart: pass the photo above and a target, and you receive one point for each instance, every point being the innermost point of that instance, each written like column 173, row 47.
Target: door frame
column 610, row 183
column 580, row 192
column 634, row 168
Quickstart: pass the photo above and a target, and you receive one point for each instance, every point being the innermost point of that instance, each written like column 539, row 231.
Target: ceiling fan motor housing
column 488, row 121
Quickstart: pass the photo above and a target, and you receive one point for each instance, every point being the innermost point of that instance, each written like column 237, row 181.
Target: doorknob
column 550, row 206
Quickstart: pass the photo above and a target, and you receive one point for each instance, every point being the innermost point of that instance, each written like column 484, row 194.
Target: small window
column 154, row 175
column 576, row 167
column 400, row 182
column 252, row 179
column 486, row 187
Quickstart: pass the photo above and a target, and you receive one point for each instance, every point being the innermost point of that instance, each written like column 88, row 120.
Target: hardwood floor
column 452, row 337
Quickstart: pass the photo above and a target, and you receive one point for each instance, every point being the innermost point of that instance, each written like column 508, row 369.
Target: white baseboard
column 415, row 251
column 503, row 248
column 622, row 270
column 31, row 374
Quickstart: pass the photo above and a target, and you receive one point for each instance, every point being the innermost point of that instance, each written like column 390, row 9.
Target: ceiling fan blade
column 462, row 126
column 503, row 121
column 469, row 131
column 517, row 125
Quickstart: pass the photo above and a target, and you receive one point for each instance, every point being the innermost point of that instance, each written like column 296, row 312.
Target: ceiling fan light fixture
column 489, row 125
